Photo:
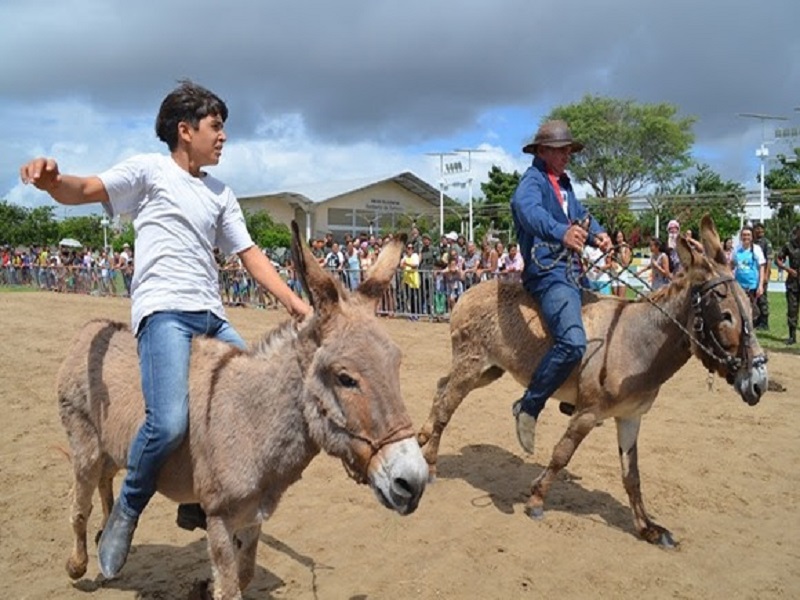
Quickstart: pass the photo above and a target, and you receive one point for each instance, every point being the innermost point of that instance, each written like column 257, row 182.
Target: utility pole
column 762, row 152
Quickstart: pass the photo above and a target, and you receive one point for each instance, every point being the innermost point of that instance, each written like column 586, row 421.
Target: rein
column 699, row 293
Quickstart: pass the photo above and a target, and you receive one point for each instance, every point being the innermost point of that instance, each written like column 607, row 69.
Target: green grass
column 774, row 339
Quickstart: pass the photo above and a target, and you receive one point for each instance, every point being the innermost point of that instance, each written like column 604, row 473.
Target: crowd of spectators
column 431, row 277
column 62, row 269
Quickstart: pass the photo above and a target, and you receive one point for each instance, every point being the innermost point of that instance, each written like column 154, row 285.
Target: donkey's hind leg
column 627, row 436
column 465, row 376
column 105, row 487
column 86, row 478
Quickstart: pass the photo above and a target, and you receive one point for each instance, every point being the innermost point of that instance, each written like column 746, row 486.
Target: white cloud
column 355, row 87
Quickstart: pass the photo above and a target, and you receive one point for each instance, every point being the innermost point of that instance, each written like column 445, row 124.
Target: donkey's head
column 722, row 317
column 352, row 399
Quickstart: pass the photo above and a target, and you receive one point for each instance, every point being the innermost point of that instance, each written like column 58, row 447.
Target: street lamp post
column 762, row 153
column 105, row 223
column 469, row 152
column 441, row 156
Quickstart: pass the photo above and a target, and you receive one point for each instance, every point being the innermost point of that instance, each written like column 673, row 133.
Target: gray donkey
column 257, row 417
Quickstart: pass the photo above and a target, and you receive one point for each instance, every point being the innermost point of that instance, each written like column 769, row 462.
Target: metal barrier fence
column 69, row 279
column 430, row 295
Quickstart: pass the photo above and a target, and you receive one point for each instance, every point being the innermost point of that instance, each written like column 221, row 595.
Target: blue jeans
column 560, row 308
column 165, row 343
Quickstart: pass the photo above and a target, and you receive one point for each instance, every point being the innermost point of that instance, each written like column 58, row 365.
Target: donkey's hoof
column 660, row 537
column 666, row 541
column 201, row 590
column 535, row 512
column 76, row 570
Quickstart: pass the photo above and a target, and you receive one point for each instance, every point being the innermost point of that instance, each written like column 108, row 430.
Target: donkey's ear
column 710, row 239
column 384, row 269
column 690, row 254
column 323, row 292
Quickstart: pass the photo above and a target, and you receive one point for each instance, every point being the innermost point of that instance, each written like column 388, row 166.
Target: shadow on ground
column 506, row 480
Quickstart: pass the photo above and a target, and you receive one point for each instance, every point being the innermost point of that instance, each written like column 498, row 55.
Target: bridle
column 702, row 305
column 358, row 470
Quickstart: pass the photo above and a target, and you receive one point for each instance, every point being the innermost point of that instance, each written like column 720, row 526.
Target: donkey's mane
column 667, row 292
column 275, row 339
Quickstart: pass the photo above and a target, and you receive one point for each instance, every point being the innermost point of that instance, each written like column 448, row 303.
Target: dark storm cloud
column 408, row 71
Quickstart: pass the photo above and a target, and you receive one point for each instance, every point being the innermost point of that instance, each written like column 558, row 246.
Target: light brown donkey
column 257, row 417
column 633, row 348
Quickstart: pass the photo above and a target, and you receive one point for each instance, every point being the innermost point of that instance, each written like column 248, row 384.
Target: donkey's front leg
column 450, row 392
column 627, row 434
column 247, row 542
column 222, row 551
column 579, row 427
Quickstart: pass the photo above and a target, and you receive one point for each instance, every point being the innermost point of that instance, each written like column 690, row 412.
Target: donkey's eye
column 346, row 381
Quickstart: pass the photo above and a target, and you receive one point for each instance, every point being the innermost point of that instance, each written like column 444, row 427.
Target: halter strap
column 360, row 472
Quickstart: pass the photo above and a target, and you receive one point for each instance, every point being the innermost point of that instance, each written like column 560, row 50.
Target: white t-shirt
column 178, row 220
column 595, row 263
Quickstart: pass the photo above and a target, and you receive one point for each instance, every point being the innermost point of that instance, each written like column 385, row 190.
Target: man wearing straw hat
column 548, row 218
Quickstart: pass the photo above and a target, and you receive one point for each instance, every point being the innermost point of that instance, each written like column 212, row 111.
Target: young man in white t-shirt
column 180, row 213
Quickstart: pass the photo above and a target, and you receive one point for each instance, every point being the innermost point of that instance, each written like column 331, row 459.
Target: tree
column 11, row 219
column 492, row 211
column 265, row 232
column 704, row 191
column 784, row 197
column 629, row 146
column 612, row 214
column 21, row 226
column 40, row 227
column 87, row 230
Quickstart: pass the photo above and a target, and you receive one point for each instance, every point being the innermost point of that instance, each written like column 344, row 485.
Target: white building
column 352, row 206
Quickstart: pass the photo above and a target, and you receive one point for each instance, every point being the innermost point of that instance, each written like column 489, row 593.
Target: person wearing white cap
column 548, row 218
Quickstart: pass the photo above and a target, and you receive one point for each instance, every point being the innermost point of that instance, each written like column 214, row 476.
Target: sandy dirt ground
column 723, row 476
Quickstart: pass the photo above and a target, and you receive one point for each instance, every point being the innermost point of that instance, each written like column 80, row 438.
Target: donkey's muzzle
column 398, row 475
column 752, row 384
